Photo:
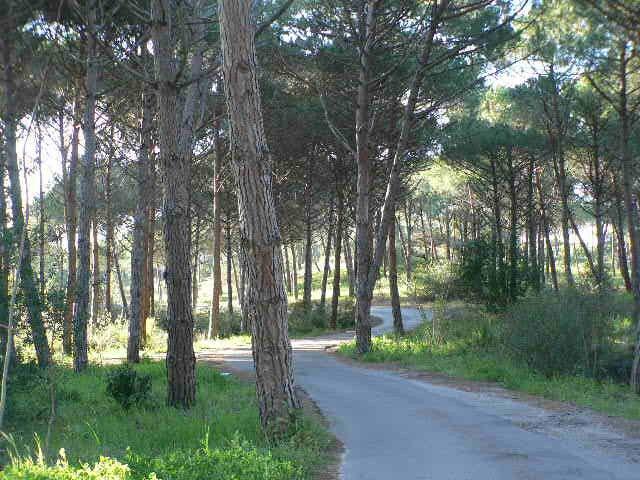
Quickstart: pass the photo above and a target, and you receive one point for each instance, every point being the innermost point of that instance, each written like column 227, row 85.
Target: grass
column 475, row 359
column 220, row 437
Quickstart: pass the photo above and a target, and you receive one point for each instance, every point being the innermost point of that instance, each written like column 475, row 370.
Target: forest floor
column 400, row 423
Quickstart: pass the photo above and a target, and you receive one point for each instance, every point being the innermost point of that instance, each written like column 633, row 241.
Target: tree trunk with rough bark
column 295, row 271
column 335, row 298
column 87, row 198
column 108, row 243
column 138, row 250
column 265, row 298
column 123, row 297
column 41, row 219
column 227, row 241
column 27, row 279
column 214, row 314
column 327, row 260
column 176, row 179
column 96, row 295
column 71, row 221
column 398, row 326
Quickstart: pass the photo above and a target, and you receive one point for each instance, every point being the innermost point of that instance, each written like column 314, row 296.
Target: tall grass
column 223, row 427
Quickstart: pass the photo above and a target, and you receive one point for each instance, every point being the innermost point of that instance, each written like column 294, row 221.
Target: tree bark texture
column 265, row 301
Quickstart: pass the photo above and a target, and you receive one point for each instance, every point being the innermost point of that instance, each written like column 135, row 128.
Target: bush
column 230, row 323
column 473, row 328
column 128, row 388
column 567, row 332
column 302, row 322
column 437, row 281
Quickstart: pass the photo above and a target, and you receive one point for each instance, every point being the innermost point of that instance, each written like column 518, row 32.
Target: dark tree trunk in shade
column 351, row 274
column 398, row 326
column 287, row 276
column 69, row 176
column 96, row 296
column 308, row 240
column 138, row 250
column 265, row 300
column 214, row 313
column 108, row 256
column 335, row 298
column 176, row 179
column 123, row 295
column 327, row 260
column 227, row 241
column 295, row 272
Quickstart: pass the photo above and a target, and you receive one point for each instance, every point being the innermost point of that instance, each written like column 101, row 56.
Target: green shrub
column 128, row 388
column 566, row 332
column 239, row 460
column 302, row 322
column 437, row 281
column 230, row 323
column 28, row 469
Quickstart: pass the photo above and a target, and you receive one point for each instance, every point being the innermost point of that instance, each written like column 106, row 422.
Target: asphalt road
column 393, row 427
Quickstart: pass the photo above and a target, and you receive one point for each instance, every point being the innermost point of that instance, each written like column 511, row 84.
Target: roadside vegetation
column 571, row 346
column 104, row 425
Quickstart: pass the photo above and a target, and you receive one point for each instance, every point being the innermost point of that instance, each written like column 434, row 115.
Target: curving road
column 393, row 427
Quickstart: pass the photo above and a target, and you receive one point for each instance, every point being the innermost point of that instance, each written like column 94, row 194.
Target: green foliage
column 566, row 332
column 237, row 460
column 317, row 319
column 437, row 280
column 466, row 341
column 89, row 424
column 29, row 469
column 128, row 388
column 229, row 322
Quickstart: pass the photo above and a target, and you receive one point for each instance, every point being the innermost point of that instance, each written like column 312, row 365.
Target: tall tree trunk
column 513, row 229
column 308, row 243
column 629, row 174
column 123, row 297
column 96, row 296
column 398, row 326
column 265, row 298
column 287, row 278
column 87, row 198
column 108, row 230
column 227, row 242
column 617, row 221
column 151, row 247
column 327, row 260
column 425, row 238
column 41, row 219
column 408, row 214
column 138, row 250
column 295, row 272
column 71, row 220
column 214, row 314
column 5, row 258
column 335, row 299
column 364, row 291
column 27, row 279
column 196, row 266
column 176, row 176
column 532, row 254
column 351, row 274
column 547, row 233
